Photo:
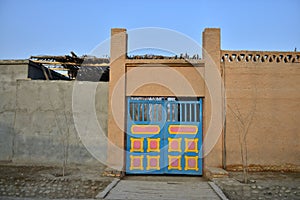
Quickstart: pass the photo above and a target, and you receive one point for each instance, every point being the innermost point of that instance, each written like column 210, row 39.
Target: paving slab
column 140, row 188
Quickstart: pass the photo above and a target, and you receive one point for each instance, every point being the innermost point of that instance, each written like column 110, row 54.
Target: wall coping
column 169, row 62
column 14, row 62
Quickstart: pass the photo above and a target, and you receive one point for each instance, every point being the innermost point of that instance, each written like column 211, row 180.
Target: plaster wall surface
column 271, row 91
column 9, row 73
column 37, row 119
column 44, row 130
column 157, row 80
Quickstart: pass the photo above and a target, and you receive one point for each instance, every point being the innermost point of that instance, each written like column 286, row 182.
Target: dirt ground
column 49, row 182
column 262, row 185
column 81, row 182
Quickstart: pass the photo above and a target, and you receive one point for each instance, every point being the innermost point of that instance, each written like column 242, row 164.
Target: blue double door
column 164, row 136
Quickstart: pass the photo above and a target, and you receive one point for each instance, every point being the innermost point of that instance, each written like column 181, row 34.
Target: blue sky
column 56, row 27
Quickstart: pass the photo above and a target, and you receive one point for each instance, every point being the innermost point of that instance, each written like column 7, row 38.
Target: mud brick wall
column 265, row 85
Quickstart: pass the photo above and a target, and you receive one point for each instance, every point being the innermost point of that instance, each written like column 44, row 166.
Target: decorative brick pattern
column 260, row 57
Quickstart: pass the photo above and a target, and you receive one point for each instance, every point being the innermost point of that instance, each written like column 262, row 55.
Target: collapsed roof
column 84, row 68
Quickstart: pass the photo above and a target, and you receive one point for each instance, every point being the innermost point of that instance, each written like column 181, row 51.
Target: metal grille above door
column 164, row 136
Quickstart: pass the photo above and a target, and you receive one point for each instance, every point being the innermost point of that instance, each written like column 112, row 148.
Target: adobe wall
column 267, row 85
column 156, row 78
column 10, row 72
column 37, row 119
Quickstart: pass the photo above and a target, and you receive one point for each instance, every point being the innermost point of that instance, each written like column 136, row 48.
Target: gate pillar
column 211, row 53
column 116, row 99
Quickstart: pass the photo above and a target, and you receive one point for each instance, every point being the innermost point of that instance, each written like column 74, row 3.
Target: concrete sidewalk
column 162, row 187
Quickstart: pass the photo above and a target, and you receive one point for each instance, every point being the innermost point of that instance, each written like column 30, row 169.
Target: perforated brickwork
column 260, row 56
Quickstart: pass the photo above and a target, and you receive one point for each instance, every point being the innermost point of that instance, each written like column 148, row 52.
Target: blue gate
column 164, row 136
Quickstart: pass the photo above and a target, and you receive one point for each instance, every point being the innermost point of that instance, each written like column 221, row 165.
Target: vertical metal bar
column 157, row 112
column 152, row 112
column 187, row 111
column 200, row 111
column 147, row 112
column 176, row 112
column 195, row 112
column 161, row 113
column 174, row 108
column 171, row 110
column 128, row 108
column 180, row 107
column 166, row 111
column 138, row 115
column 190, row 112
column 143, row 112
column 132, row 111
column 185, row 114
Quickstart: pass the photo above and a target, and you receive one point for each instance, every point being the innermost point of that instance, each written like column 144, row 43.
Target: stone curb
column 217, row 190
column 108, row 188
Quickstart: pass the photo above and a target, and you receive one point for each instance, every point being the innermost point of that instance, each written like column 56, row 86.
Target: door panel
column 164, row 137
